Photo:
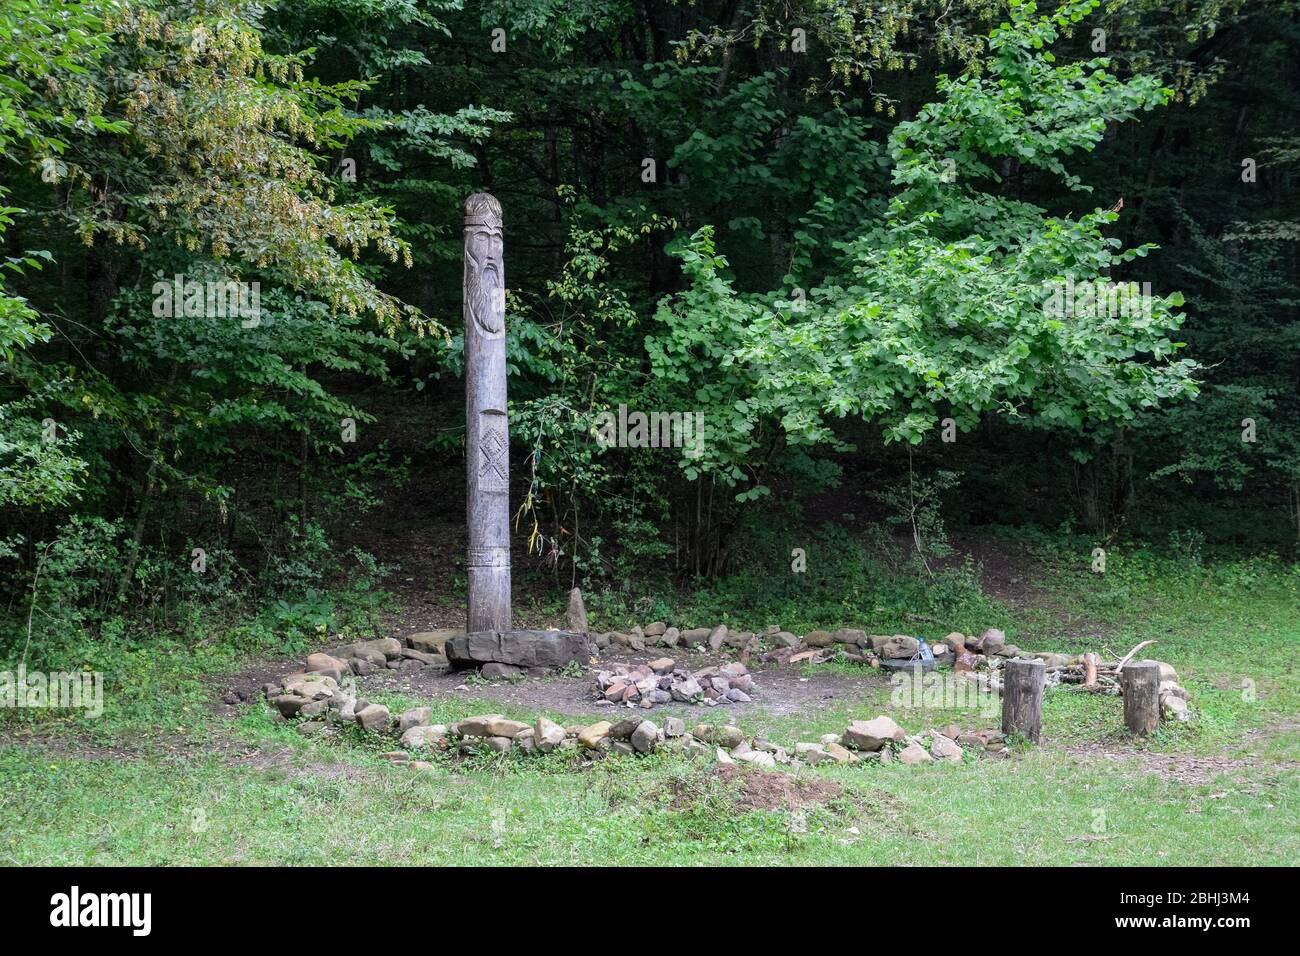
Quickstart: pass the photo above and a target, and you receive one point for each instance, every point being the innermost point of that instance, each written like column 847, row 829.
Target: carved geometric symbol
column 494, row 452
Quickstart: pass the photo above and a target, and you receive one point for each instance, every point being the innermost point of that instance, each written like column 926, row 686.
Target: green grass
column 263, row 794
column 1040, row 808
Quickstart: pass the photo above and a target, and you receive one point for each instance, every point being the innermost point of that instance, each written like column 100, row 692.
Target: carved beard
column 484, row 294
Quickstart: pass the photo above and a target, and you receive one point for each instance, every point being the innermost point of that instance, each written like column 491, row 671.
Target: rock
column 422, row 736
column 899, row 647
column 686, row 690
column 375, row 718
column 645, row 737
column 945, row 748
column 1167, row 672
column 521, row 648
column 498, row 744
column 495, row 671
column 329, row 665
column 311, row 728
column 872, row 734
column 737, row 696
column 592, row 737
column 524, row 740
column 474, row 726
column 575, row 620
column 662, row 665
column 784, row 639
column 956, row 642
column 504, row 727
column 390, row 647
column 670, row 637
column 289, row 704
column 829, row 739
column 819, row 638
column 696, row 635
column 759, row 759
column 421, row 657
column 311, row 686
column 840, row 754
column 1170, row 687
column 849, row 635
column 723, row 757
column 602, row 641
column 991, row 640
column 716, row 637
column 656, row 629
column 739, row 639
column 733, row 669
column 314, row 708
column 547, row 735
column 625, row 728
column 1007, row 650
column 674, row 727
column 432, row 642
column 622, row 748
column 415, row 717
column 1175, row 707
column 728, row 736
column 362, row 668
column 812, row 753
column 914, row 754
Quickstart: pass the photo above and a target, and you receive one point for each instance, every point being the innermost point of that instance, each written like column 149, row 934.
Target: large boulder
column 517, row 648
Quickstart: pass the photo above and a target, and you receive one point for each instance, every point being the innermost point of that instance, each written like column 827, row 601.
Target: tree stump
column 1140, row 683
column 1022, row 698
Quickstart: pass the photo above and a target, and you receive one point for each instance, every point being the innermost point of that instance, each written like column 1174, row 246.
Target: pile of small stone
column 883, row 740
column 662, row 682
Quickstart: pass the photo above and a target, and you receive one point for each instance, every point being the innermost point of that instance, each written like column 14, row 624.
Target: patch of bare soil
column 754, row 789
column 778, row 690
column 1251, row 771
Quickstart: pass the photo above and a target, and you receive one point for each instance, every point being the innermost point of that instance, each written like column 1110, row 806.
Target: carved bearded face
column 485, row 280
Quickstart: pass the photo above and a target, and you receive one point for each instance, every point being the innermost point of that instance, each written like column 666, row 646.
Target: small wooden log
column 1090, row 662
column 1022, row 698
column 1140, row 681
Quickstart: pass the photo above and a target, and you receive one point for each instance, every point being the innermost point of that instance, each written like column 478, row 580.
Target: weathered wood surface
column 487, row 443
column 1140, row 683
column 1022, row 698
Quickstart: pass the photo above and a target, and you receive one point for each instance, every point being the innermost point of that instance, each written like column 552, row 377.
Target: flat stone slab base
column 519, row 648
